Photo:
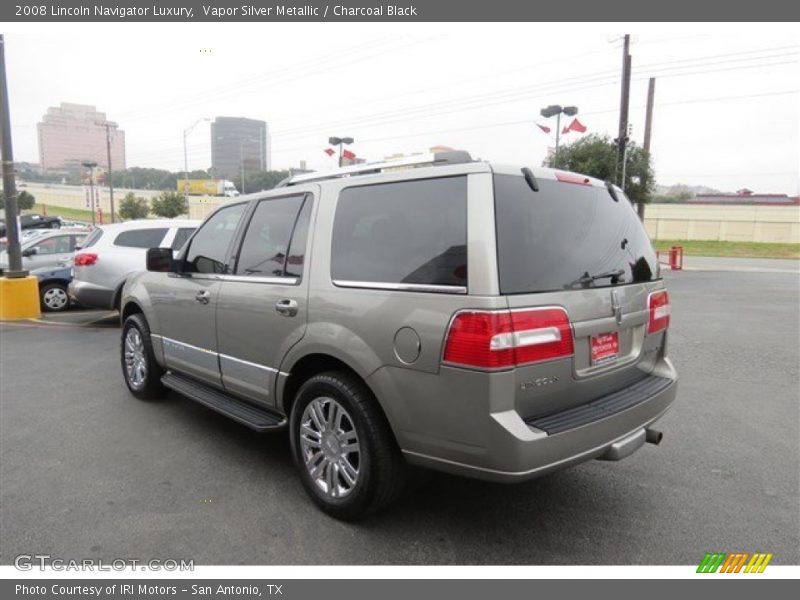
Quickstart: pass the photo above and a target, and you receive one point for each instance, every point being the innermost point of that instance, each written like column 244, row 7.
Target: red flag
column 348, row 155
column 565, row 131
column 577, row 126
column 329, row 151
column 544, row 128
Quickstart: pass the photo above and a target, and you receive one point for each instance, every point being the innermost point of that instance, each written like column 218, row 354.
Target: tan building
column 70, row 134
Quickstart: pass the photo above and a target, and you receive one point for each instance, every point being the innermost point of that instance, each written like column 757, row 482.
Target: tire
column 346, row 485
column 140, row 370
column 54, row 297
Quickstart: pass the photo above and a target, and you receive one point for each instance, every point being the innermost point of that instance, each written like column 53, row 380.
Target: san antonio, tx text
column 245, row 10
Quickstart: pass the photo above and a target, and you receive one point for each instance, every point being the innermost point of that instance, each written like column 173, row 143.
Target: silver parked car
column 488, row 321
column 46, row 249
column 112, row 253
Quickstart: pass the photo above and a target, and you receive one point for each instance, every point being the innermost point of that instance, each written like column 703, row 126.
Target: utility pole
column 9, row 183
column 92, row 203
column 648, row 130
column 109, row 172
column 622, row 138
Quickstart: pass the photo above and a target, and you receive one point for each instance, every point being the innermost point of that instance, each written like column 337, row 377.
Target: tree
column 25, row 201
column 596, row 155
column 260, row 180
column 169, row 205
column 133, row 207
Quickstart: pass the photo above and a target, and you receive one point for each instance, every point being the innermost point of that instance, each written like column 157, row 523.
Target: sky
column 727, row 101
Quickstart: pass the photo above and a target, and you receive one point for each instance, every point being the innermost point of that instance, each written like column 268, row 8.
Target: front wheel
column 348, row 459
column 54, row 297
column 139, row 367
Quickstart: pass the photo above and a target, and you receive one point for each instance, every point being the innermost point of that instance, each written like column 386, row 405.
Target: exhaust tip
column 653, row 436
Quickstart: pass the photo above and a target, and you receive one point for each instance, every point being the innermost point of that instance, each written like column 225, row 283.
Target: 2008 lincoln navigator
column 490, row 321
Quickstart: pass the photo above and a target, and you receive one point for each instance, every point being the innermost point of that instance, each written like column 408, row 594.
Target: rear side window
column 208, row 249
column 567, row 236
column 410, row 232
column 183, row 234
column 141, row 238
column 92, row 238
column 265, row 249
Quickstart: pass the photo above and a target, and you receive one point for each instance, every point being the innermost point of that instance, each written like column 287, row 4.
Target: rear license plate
column 605, row 347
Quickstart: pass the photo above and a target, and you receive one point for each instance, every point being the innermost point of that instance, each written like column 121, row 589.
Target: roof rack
column 450, row 157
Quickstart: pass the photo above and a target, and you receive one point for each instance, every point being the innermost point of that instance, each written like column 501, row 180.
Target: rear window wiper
column 586, row 279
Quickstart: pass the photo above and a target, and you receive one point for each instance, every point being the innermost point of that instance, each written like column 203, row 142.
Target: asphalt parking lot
column 88, row 471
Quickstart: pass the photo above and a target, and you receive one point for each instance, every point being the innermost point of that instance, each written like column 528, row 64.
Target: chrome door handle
column 286, row 307
column 203, row 297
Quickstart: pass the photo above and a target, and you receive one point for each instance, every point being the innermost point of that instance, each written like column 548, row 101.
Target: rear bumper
column 89, row 294
column 517, row 451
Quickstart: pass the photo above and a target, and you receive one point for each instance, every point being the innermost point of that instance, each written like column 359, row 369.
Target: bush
column 133, row 207
column 25, row 200
column 169, row 205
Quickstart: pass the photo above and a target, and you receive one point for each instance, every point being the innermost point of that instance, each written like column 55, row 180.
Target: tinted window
column 92, row 238
column 209, row 247
column 411, row 232
column 567, row 236
column 141, row 238
column 297, row 247
column 183, row 234
column 265, row 247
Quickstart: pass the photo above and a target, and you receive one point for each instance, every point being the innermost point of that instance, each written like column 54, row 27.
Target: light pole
column 555, row 110
column 337, row 141
column 90, row 164
column 186, row 133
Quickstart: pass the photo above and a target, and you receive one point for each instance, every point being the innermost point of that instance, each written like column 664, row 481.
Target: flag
column 544, row 128
column 565, row 131
column 577, row 126
column 329, row 151
column 348, row 155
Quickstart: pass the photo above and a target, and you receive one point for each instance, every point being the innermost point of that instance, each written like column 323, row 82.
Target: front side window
column 266, row 248
column 55, row 245
column 208, row 250
column 410, row 232
column 141, row 238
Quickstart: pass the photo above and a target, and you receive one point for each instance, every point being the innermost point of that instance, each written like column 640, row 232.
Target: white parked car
column 111, row 253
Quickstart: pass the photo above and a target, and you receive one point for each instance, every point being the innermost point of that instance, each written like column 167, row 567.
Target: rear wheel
column 54, row 297
column 348, row 459
column 139, row 367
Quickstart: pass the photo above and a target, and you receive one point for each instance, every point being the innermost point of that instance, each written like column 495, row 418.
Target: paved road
column 88, row 471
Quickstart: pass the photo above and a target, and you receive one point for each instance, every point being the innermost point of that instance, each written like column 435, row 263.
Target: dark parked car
column 34, row 222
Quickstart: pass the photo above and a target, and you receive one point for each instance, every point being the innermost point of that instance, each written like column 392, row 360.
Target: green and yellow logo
column 736, row 562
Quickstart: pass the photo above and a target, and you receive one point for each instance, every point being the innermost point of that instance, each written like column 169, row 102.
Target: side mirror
column 30, row 252
column 159, row 260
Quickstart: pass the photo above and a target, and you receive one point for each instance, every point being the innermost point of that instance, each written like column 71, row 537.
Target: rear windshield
column 92, row 238
column 567, row 236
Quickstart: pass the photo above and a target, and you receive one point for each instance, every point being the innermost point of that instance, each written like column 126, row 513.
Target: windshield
column 567, row 236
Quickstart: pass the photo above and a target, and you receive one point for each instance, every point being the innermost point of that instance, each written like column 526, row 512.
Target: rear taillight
column 504, row 339
column 658, row 304
column 85, row 259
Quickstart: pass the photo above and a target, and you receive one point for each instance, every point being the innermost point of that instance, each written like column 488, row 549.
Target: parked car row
column 90, row 267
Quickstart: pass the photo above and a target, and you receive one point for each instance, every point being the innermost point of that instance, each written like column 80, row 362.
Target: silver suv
column 488, row 321
column 112, row 253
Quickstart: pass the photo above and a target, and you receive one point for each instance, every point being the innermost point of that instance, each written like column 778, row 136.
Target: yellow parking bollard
column 19, row 298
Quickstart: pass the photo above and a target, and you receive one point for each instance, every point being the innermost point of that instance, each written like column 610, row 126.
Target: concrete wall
column 726, row 223
column 663, row 221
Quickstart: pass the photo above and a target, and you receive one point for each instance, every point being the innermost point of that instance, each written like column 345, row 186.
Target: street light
column 337, row 141
column 556, row 110
column 186, row 133
column 90, row 164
